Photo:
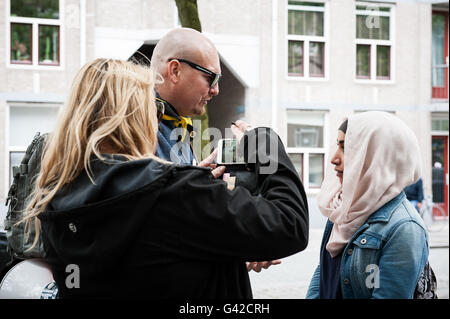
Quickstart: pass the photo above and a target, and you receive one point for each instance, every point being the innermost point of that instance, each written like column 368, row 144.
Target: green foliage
column 206, row 149
column 44, row 9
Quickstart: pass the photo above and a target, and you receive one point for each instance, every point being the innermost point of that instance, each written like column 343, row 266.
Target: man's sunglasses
column 214, row 77
column 160, row 107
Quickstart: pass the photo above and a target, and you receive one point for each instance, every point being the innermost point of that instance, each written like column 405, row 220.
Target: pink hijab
column 381, row 158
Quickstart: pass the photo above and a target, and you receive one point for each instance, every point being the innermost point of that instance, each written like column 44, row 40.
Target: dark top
column 330, row 274
column 152, row 230
column 415, row 191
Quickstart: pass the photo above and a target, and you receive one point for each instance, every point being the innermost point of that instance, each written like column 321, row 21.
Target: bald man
column 190, row 66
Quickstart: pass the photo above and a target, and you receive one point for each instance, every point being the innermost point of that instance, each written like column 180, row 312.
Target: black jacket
column 153, row 230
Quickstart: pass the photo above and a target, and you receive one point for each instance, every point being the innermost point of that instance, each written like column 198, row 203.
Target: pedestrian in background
column 375, row 245
column 414, row 193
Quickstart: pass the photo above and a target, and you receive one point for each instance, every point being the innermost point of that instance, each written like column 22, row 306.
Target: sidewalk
column 438, row 234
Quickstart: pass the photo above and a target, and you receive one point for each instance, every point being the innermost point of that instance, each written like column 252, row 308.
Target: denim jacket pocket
column 366, row 251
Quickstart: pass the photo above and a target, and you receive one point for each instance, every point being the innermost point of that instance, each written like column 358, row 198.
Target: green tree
column 188, row 14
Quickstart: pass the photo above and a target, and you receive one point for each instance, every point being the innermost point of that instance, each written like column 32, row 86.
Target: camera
column 228, row 152
column 229, row 155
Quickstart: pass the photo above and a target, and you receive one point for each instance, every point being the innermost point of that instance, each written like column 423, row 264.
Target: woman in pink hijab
column 375, row 245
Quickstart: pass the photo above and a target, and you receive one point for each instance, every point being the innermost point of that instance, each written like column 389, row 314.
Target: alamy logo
column 373, row 19
column 373, row 279
column 73, row 279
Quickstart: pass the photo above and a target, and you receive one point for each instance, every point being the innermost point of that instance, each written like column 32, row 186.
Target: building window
column 305, row 145
column 439, row 123
column 363, row 61
column 316, row 168
column 374, row 25
column 15, row 157
column 35, row 32
column 21, row 49
column 440, row 55
column 24, row 121
column 306, row 39
column 297, row 160
column 307, row 136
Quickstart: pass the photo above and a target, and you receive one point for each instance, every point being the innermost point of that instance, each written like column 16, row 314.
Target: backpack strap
column 22, row 169
column 29, row 152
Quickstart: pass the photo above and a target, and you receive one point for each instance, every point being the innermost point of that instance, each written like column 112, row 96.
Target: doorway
column 439, row 160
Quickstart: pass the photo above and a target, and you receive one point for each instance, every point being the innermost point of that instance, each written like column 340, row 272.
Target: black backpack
column 426, row 287
column 18, row 196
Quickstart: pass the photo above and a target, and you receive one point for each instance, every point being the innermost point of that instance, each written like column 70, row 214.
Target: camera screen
column 229, row 152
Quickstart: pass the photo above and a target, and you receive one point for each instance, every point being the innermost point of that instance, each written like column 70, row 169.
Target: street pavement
column 290, row 279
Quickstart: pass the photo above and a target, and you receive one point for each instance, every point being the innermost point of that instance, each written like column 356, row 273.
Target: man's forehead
column 192, row 46
column 212, row 62
column 207, row 58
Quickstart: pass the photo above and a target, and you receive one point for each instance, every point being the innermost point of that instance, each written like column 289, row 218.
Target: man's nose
column 214, row 90
column 335, row 160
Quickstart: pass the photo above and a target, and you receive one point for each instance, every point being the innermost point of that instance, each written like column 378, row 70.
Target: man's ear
column 173, row 71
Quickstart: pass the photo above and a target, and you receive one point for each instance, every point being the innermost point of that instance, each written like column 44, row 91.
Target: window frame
column 306, row 39
column 306, row 151
column 35, row 39
column 360, row 77
column 440, row 93
column 301, row 155
column 31, row 43
column 372, row 43
column 59, row 41
column 296, row 75
column 312, row 75
column 438, row 116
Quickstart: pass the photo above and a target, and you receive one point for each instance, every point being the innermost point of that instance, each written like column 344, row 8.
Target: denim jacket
column 385, row 256
column 169, row 147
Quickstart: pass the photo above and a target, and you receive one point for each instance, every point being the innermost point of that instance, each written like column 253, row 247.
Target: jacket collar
column 168, row 108
column 114, row 177
column 384, row 213
column 172, row 119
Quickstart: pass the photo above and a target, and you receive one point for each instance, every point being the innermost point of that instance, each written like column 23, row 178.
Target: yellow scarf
column 184, row 121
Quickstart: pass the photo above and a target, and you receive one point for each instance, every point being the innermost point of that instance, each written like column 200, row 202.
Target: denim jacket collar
column 169, row 109
column 384, row 213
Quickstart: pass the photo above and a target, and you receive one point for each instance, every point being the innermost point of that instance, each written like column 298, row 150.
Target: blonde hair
column 111, row 104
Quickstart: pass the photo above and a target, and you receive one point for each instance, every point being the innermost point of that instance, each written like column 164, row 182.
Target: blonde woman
column 375, row 245
column 135, row 226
